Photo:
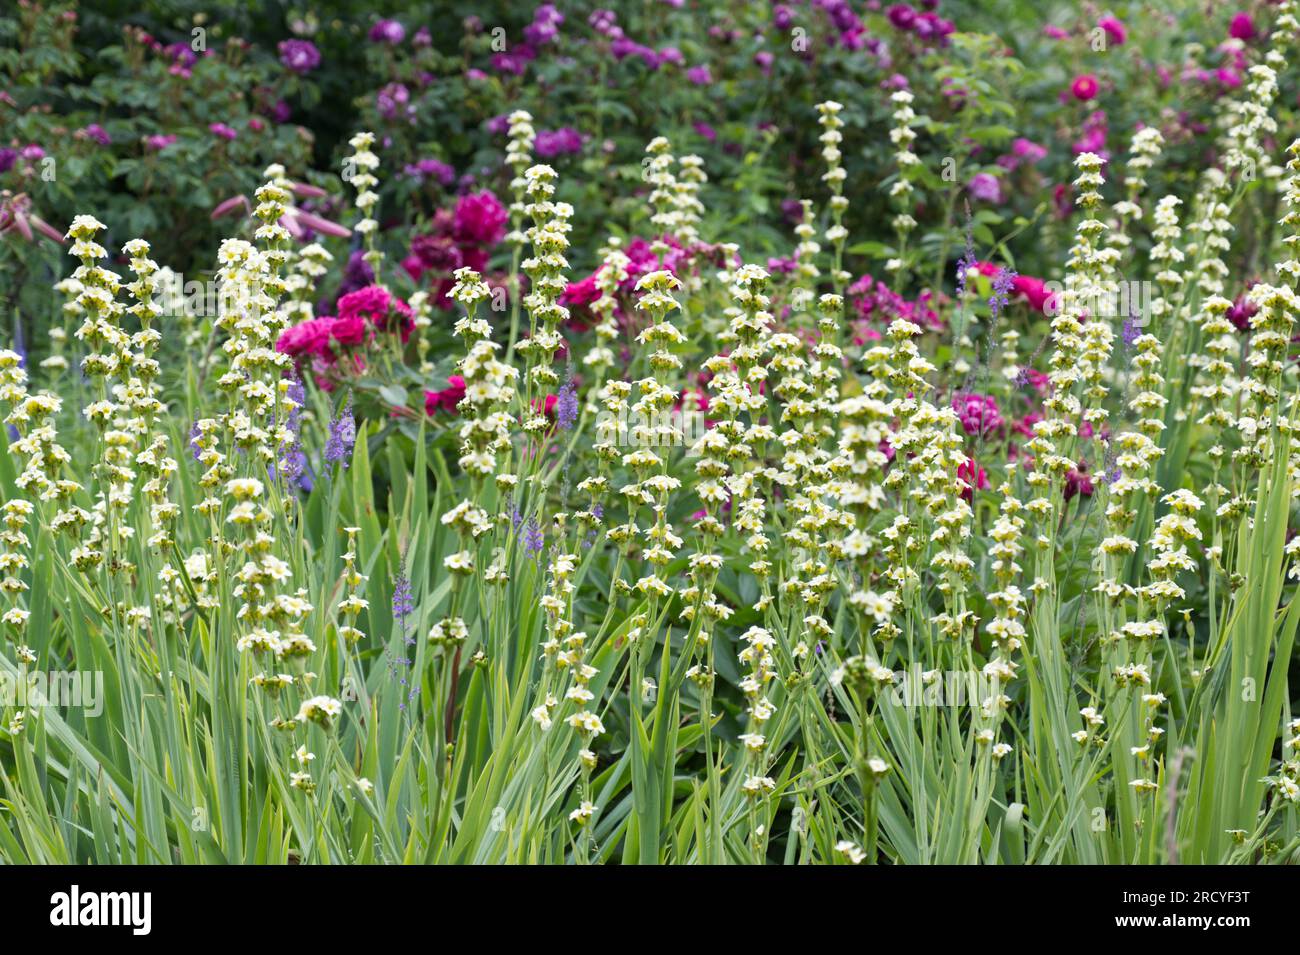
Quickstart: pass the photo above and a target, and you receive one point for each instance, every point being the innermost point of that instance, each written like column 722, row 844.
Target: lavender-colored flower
column 387, row 31
column 1003, row 282
column 403, row 600
column 1131, row 332
column 194, row 441
column 534, row 539
column 293, row 460
column 343, row 435
column 1111, row 472
column 300, row 56
column 566, row 406
column 964, row 265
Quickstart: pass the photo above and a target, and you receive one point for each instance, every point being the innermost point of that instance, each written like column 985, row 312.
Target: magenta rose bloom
column 311, row 337
column 1084, row 87
column 1078, row 481
column 1242, row 27
column 580, row 294
column 447, row 399
column 972, row 476
column 348, row 331
column 96, row 133
column 1114, row 30
column 985, row 188
column 300, row 56
column 977, row 413
column 557, row 142
column 700, row 75
column 480, row 218
column 388, row 31
column 374, row 304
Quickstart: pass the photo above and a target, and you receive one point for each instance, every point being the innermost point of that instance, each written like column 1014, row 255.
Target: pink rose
column 349, row 331
column 1084, row 87
column 311, row 337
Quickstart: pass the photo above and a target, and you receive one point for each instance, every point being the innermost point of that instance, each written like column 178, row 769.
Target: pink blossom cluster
column 978, row 414
column 363, row 316
column 872, row 300
column 462, row 237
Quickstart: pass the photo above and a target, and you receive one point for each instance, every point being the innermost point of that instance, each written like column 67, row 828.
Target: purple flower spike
column 534, row 540
column 343, row 435
column 566, row 406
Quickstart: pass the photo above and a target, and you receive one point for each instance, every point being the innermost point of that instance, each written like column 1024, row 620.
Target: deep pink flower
column 311, row 337
column 901, row 16
column 1025, row 426
column 1242, row 27
column 1241, row 311
column 1078, row 481
column 967, row 472
column 580, row 294
column 1094, row 135
column 1037, row 380
column 96, row 133
column 436, row 253
column 222, row 131
column 700, row 75
column 367, row 302
column 1061, row 201
column 1035, row 292
column 1084, row 87
column 348, row 331
column 977, row 413
column 373, row 305
column 984, row 187
column 1114, row 29
column 480, row 218
column 1024, row 151
column 447, row 399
